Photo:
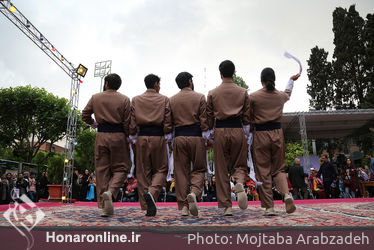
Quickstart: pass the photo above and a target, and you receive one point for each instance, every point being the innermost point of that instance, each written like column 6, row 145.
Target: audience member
column 328, row 173
column 212, row 191
column 170, row 189
column 32, row 187
column 130, row 190
column 297, row 178
column 91, row 189
column 85, row 182
column 4, row 190
column 43, row 186
column 350, row 182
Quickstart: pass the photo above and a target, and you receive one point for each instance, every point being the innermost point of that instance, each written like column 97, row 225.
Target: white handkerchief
column 132, row 162
column 171, row 163
column 288, row 55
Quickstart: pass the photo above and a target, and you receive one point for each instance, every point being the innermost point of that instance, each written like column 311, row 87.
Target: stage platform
column 333, row 213
column 316, row 220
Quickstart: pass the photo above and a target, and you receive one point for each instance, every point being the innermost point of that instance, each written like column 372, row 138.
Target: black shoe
column 151, row 205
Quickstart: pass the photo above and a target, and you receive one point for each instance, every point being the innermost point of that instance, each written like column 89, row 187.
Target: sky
column 166, row 37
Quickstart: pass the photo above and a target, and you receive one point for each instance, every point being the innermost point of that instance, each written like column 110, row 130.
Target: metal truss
column 304, row 139
column 22, row 23
column 102, row 69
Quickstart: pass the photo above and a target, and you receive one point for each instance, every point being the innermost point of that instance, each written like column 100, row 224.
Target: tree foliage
column 56, row 168
column 84, row 153
column 320, row 75
column 239, row 81
column 293, row 149
column 346, row 81
column 30, row 117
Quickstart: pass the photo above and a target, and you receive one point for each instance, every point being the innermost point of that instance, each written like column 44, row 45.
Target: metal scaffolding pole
column 71, row 132
column 304, row 139
column 22, row 23
column 102, row 69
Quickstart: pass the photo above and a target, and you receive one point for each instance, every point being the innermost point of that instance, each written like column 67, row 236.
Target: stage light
column 41, row 37
column 75, row 143
column 63, row 198
column 53, row 48
column 28, row 24
column 62, row 59
column 12, row 8
column 74, row 92
column 81, row 70
column 80, row 81
column 66, row 161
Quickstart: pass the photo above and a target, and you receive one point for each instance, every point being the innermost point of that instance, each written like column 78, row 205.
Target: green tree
column 369, row 45
column 239, row 81
column 30, row 117
column 56, row 168
column 320, row 75
column 84, row 153
column 7, row 154
column 349, row 58
column 351, row 70
column 293, row 149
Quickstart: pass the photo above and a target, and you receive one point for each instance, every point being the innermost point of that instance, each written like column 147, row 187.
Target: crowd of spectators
column 13, row 186
column 330, row 181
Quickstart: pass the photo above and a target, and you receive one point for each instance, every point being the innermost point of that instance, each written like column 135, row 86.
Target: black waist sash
column 232, row 122
column 190, row 130
column 110, row 128
column 151, row 131
column 268, row 126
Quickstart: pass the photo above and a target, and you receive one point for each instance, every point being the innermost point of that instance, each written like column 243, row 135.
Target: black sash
column 232, row 122
column 190, row 130
column 110, row 128
column 151, row 131
column 268, row 126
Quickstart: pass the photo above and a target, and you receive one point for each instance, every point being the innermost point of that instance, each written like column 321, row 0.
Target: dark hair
column 150, row 81
column 268, row 77
column 183, row 79
column 114, row 81
column 227, row 68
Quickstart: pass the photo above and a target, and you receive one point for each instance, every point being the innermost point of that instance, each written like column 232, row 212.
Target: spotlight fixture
column 81, row 70
column 12, row 8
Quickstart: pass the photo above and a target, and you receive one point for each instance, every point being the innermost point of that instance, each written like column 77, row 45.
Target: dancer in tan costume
column 188, row 110
column 112, row 114
column 269, row 151
column 228, row 110
column 150, row 130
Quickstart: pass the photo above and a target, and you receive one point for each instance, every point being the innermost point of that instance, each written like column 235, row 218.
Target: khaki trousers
column 269, row 154
column 229, row 145
column 111, row 163
column 151, row 166
column 187, row 150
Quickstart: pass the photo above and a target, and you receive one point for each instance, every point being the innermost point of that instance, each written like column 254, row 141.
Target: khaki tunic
column 189, row 108
column 230, row 145
column 150, row 109
column 269, row 150
column 111, row 149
